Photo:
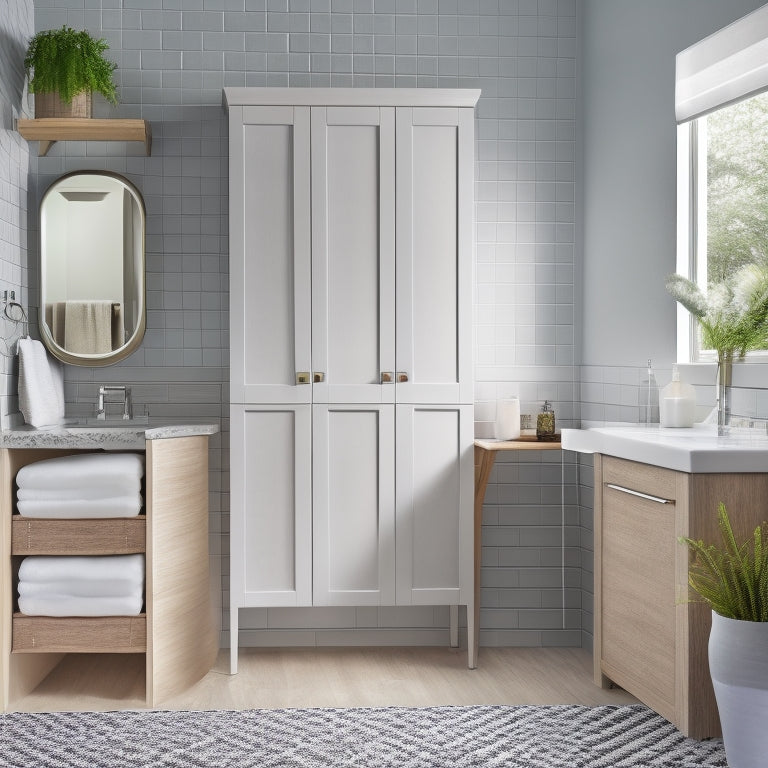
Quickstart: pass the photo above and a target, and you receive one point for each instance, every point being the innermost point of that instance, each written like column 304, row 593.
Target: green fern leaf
column 731, row 578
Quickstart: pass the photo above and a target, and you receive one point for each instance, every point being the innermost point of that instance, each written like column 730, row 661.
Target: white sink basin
column 698, row 449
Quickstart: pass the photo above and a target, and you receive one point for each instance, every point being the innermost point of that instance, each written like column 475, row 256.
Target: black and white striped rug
column 394, row 737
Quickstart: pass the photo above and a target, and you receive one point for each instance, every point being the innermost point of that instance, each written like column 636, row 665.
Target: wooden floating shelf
column 102, row 536
column 524, row 443
column 49, row 130
column 76, row 634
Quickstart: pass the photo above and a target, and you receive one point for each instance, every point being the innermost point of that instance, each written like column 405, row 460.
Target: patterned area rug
column 432, row 737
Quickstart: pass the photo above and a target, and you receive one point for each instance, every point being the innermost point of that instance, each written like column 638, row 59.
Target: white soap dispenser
column 677, row 404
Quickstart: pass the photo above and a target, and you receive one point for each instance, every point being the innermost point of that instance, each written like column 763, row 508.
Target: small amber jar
column 545, row 423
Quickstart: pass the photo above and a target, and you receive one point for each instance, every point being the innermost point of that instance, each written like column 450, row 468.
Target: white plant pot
column 738, row 663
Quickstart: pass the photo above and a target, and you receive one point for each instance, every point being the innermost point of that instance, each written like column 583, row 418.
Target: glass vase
column 724, row 379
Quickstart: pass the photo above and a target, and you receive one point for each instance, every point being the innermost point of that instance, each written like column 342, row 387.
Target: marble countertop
column 697, row 449
column 108, row 437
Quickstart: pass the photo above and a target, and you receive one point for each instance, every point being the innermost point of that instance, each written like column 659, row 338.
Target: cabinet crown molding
column 351, row 97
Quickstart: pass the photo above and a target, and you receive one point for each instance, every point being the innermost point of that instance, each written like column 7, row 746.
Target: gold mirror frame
column 137, row 269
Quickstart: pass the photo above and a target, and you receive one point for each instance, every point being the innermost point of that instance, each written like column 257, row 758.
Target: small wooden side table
column 485, row 456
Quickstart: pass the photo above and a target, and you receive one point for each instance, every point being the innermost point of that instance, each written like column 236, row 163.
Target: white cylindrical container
column 677, row 403
column 507, row 425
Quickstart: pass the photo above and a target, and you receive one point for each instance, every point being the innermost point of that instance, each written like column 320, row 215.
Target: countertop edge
column 107, row 438
column 713, row 455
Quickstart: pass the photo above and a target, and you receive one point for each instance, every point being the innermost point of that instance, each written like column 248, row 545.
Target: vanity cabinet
column 177, row 632
column 650, row 636
column 351, row 369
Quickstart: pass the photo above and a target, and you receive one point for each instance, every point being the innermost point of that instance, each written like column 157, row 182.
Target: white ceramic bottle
column 677, row 403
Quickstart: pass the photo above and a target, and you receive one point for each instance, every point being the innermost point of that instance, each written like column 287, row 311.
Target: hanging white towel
column 41, row 385
column 85, row 470
column 81, row 588
column 88, row 327
column 54, row 319
column 60, row 567
column 65, row 605
column 118, row 506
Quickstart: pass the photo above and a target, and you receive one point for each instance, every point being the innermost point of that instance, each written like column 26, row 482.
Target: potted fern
column 64, row 67
column 733, row 579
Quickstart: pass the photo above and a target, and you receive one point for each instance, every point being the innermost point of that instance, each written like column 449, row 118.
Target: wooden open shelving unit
column 177, row 633
column 49, row 130
column 64, row 634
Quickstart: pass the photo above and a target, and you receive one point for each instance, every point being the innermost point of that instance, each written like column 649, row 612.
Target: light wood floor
column 336, row 677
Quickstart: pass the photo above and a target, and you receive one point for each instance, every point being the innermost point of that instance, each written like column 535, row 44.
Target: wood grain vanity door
column 638, row 591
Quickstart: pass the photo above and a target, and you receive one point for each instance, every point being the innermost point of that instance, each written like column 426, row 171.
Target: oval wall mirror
column 92, row 308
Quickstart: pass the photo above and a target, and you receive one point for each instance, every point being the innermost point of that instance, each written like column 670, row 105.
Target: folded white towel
column 84, row 470
column 82, row 588
column 118, row 488
column 70, row 509
column 65, row 605
column 41, row 385
column 57, row 568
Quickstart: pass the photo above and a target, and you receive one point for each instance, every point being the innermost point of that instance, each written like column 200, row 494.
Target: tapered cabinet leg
column 234, row 633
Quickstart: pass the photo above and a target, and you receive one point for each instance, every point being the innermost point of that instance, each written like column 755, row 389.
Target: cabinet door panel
column 637, row 567
column 270, row 263
column 271, row 528
column 434, row 270
column 353, row 493
column 435, row 476
column 353, row 252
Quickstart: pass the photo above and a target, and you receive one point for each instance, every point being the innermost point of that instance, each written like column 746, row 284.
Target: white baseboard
column 314, row 638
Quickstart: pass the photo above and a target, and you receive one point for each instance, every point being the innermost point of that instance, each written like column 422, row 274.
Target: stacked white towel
column 81, row 586
column 88, row 485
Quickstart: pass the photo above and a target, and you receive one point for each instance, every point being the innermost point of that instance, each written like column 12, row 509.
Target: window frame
column 692, row 237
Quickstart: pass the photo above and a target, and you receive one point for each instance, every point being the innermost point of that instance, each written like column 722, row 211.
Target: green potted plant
column 733, row 317
column 733, row 579
column 64, row 67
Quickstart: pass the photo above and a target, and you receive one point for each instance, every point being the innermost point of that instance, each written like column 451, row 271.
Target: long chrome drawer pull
column 648, row 496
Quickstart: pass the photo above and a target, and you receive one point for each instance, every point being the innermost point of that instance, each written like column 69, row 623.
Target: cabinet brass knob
column 318, row 377
column 302, row 377
column 386, row 377
column 402, row 377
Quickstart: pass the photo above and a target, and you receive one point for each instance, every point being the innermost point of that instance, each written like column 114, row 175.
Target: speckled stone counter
column 103, row 437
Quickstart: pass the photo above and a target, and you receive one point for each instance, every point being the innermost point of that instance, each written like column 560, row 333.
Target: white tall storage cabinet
column 351, row 366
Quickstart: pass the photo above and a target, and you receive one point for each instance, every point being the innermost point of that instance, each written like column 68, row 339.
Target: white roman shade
column 727, row 66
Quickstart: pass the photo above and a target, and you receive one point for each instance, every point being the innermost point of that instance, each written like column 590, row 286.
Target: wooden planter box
column 50, row 105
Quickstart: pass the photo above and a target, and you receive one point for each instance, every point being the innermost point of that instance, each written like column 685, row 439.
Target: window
column 721, row 108
column 723, row 201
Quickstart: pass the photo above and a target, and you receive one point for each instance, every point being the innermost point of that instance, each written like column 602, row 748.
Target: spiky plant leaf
column 733, row 315
column 731, row 578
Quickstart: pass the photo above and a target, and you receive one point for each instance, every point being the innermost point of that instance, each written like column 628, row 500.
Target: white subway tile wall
column 16, row 27
column 174, row 57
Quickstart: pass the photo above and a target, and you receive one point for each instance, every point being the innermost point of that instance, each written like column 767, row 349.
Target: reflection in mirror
column 92, row 268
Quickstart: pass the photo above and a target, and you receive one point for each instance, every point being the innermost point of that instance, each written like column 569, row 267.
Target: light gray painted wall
column 16, row 25
column 174, row 57
column 627, row 90
column 628, row 154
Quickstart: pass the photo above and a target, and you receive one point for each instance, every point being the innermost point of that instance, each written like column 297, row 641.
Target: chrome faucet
column 104, row 400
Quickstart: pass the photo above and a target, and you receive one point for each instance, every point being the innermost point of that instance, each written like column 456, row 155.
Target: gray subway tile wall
column 174, row 57
column 16, row 27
